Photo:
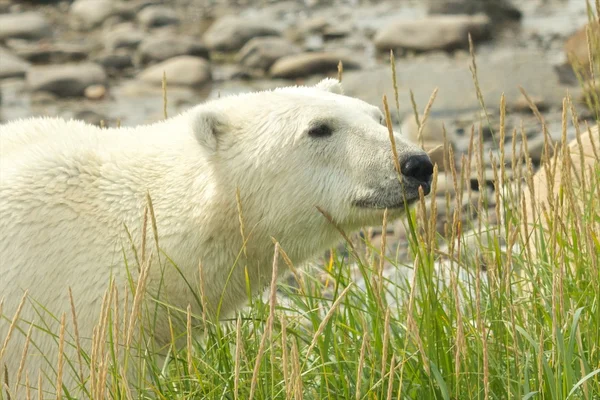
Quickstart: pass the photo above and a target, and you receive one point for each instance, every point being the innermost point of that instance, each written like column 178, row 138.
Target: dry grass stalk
column 76, row 331
column 296, row 372
column 190, row 365
column 23, row 358
column 388, row 121
column 328, row 316
column 395, row 82
column 60, row 363
column 340, row 69
column 284, row 356
column 270, row 318
column 391, row 377
column 238, row 354
column 361, row 362
column 13, row 324
column 137, row 300
column 426, row 115
column 386, row 341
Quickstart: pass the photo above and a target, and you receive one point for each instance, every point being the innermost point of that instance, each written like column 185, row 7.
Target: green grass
column 527, row 328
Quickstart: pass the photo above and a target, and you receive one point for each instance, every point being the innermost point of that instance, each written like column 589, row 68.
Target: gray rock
column 65, row 80
column 441, row 32
column 180, row 71
column 497, row 10
column 125, row 36
column 155, row 16
column 43, row 53
column 262, row 52
column 158, row 48
column 28, row 25
column 12, row 66
column 87, row 14
column 501, row 72
column 116, row 61
column 230, row 33
column 304, row 64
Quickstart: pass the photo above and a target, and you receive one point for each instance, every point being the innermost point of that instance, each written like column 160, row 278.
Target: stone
column 116, row 61
column 156, row 16
column 95, row 92
column 261, row 52
column 180, row 71
column 123, row 36
column 88, row 14
column 65, row 80
column 440, row 32
column 304, row 64
column 44, row 53
column 502, row 71
column 27, row 25
column 12, row 66
column 91, row 117
column 576, row 180
column 497, row 10
column 158, row 48
column 576, row 48
column 231, row 33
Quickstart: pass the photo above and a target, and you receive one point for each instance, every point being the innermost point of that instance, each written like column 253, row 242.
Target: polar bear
column 72, row 201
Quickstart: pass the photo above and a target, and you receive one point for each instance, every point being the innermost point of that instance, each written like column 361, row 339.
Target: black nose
column 418, row 167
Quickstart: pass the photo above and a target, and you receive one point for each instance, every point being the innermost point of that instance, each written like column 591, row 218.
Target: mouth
column 381, row 202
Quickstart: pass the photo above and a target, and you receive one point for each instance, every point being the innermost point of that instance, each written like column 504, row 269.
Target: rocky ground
column 103, row 61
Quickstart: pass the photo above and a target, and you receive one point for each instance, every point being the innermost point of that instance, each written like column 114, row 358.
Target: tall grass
column 527, row 326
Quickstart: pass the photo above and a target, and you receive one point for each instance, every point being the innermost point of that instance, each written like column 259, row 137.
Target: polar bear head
column 295, row 148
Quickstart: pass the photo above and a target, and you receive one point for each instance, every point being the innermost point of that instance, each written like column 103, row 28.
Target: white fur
column 67, row 190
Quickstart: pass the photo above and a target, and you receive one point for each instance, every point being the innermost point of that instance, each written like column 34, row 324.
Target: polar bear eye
column 320, row 131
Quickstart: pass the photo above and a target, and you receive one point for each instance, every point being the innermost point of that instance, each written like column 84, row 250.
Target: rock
column 65, row 80
column 576, row 48
column 95, row 92
column 91, row 117
column 123, row 36
column 12, row 66
column 158, row 48
column 155, row 16
column 502, row 71
column 180, row 71
column 230, row 33
column 261, row 52
column 115, row 61
column 304, row 64
column 442, row 32
column 522, row 105
column 27, row 25
column 497, row 10
column 575, row 182
column 88, row 14
column 44, row 53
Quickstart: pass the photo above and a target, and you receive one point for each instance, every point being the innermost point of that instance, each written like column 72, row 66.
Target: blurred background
column 104, row 59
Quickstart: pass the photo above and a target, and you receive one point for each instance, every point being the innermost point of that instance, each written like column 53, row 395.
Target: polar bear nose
column 418, row 167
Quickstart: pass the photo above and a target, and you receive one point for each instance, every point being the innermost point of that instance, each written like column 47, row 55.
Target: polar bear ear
column 208, row 126
column 330, row 85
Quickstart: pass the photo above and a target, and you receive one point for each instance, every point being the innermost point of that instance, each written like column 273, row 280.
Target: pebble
column 123, row 36
column 439, row 32
column 180, row 71
column 158, row 48
column 231, row 33
column 305, row 64
column 261, row 52
column 12, row 66
column 65, row 80
column 27, row 25
column 95, row 92
column 88, row 14
column 156, row 16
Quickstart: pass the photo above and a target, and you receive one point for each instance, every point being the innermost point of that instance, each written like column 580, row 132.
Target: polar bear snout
column 418, row 171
